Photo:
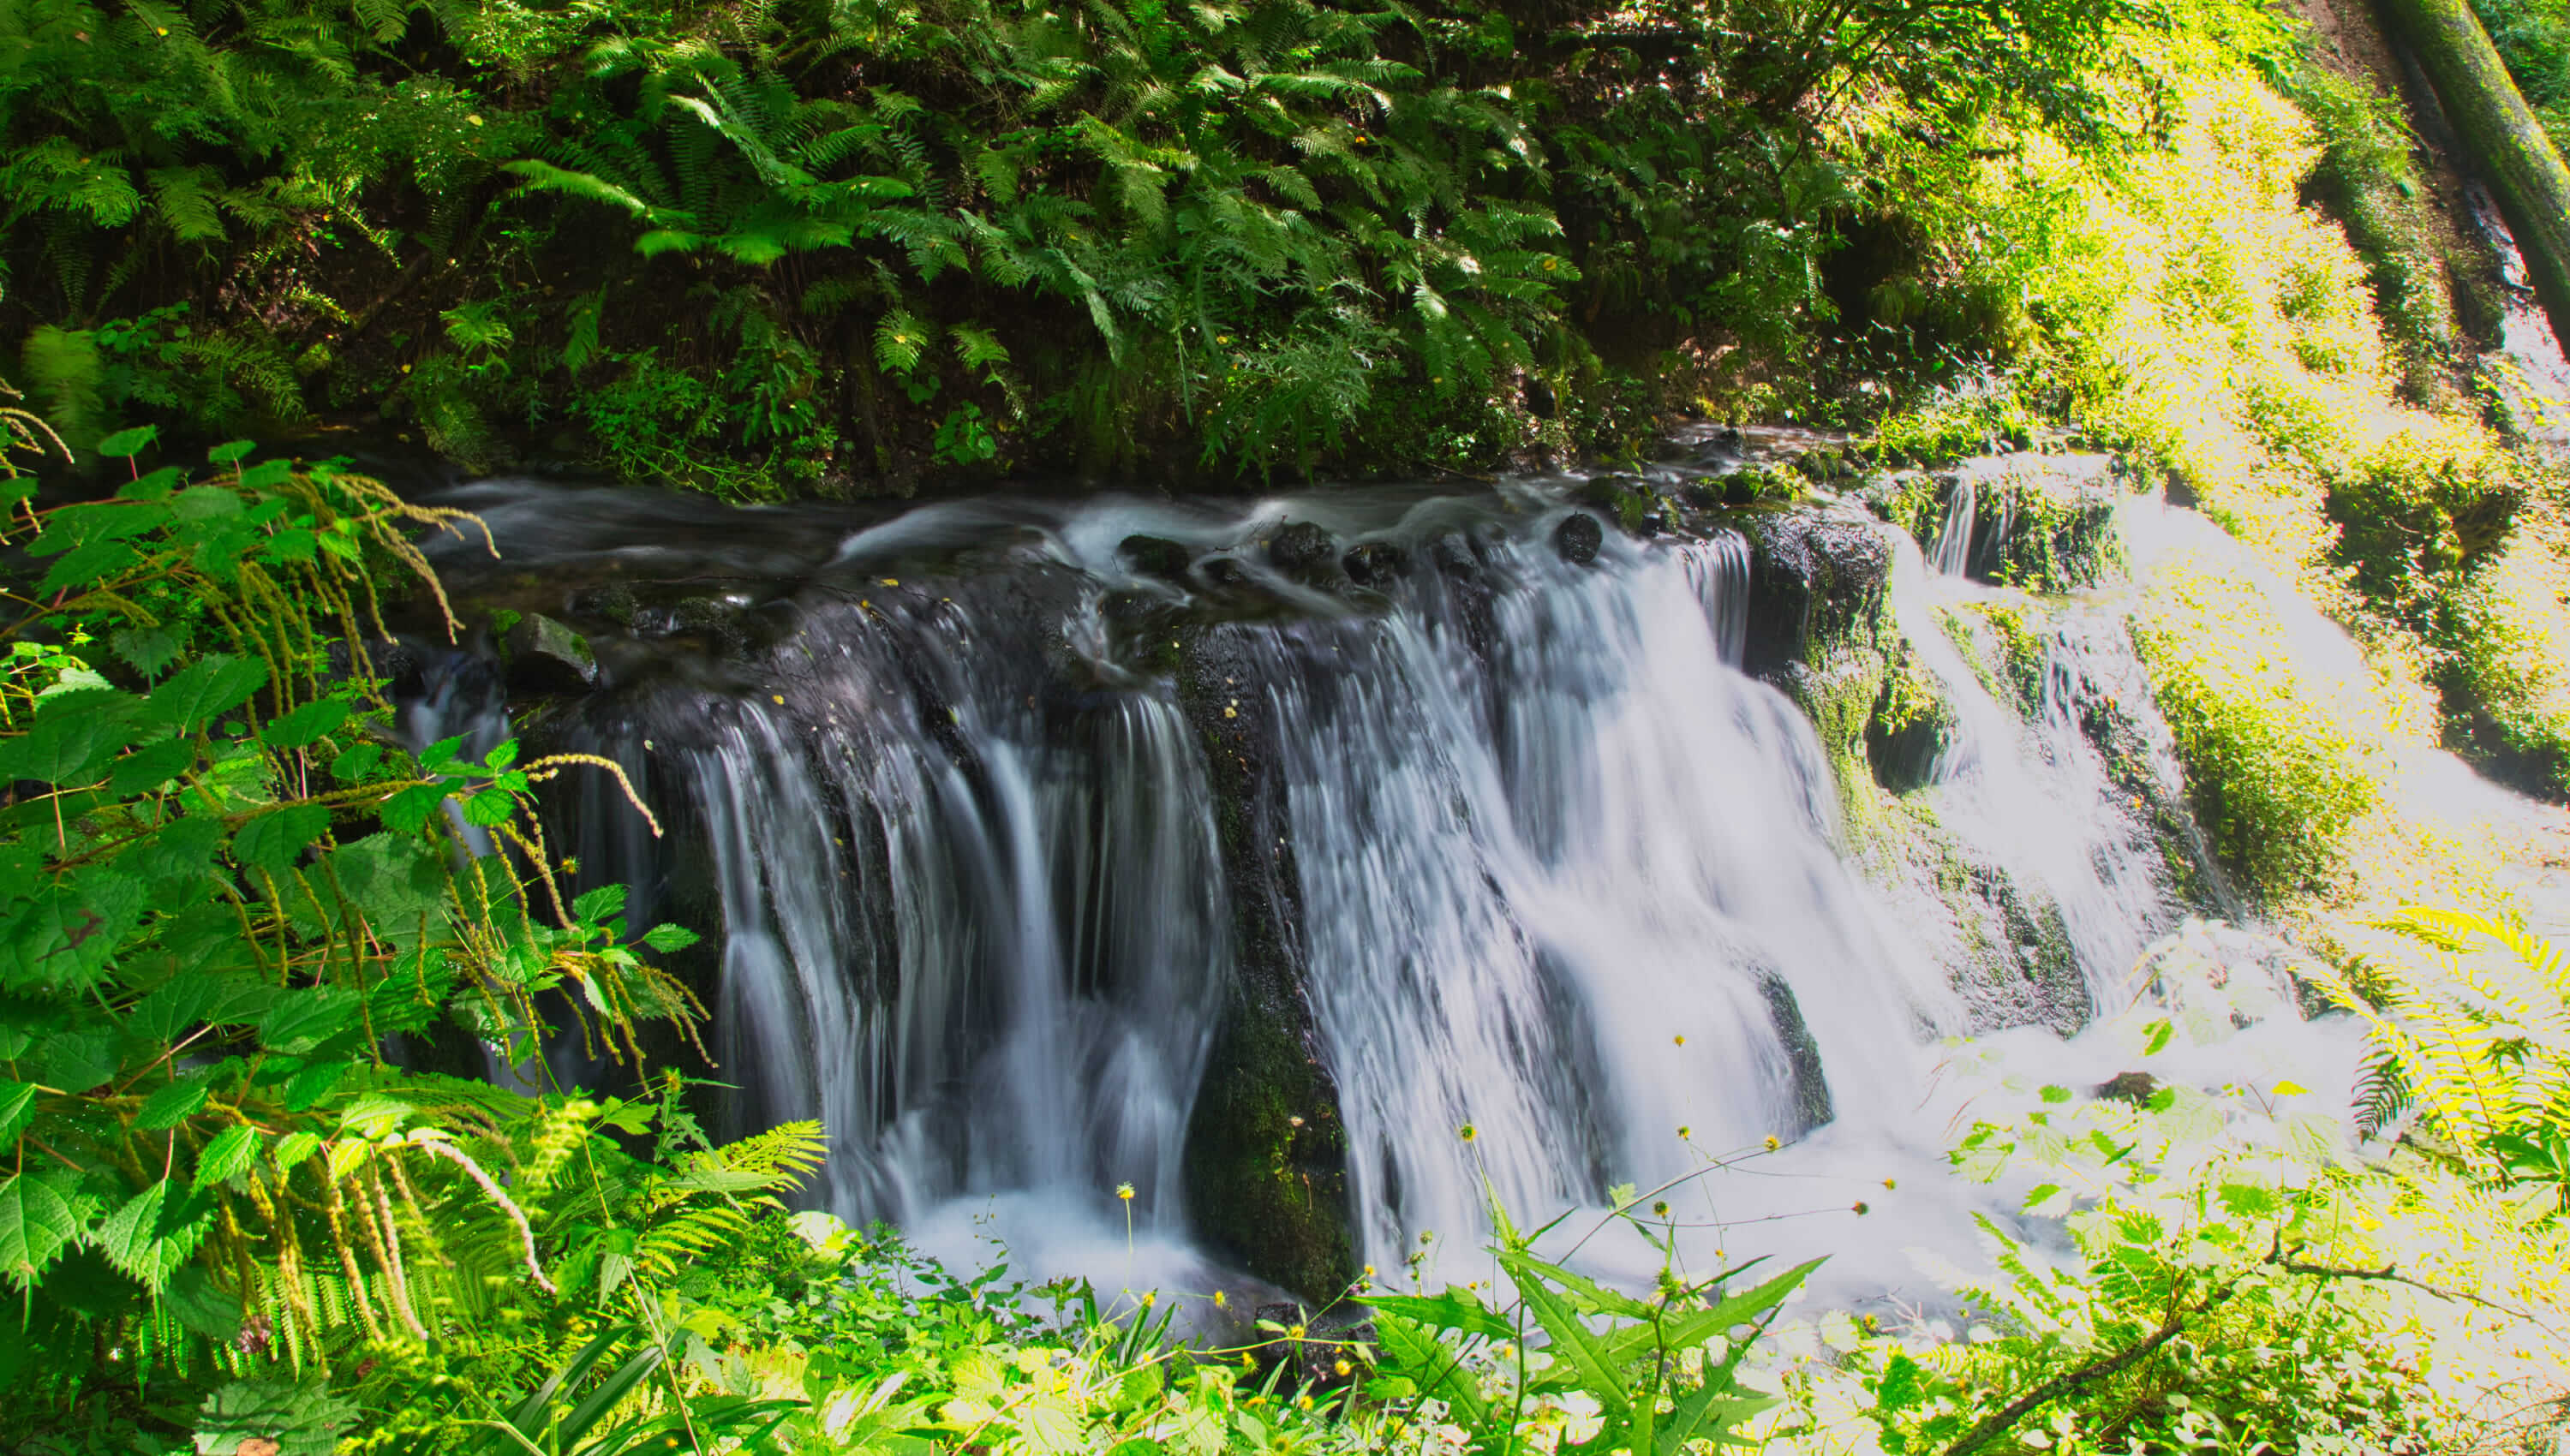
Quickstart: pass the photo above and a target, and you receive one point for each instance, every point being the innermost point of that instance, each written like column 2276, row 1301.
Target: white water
column 1566, row 875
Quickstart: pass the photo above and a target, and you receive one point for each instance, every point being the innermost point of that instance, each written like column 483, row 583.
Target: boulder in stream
column 547, row 657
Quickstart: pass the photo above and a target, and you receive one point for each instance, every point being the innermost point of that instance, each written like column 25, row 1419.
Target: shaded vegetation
column 836, row 247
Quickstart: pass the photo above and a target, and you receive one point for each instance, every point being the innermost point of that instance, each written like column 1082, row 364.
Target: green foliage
column 780, row 247
column 2471, row 1045
column 2281, row 762
column 227, row 905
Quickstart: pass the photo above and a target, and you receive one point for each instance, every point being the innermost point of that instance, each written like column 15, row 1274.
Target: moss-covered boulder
column 1265, row 1152
column 2045, row 523
column 1818, row 624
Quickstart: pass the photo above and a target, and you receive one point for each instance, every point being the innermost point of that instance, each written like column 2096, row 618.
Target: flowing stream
column 1559, row 871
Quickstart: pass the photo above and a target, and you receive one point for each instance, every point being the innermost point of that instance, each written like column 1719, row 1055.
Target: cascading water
column 1562, row 872
column 976, row 933
column 2032, row 793
column 1570, row 879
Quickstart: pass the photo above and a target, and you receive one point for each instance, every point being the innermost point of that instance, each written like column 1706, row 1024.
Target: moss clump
column 2279, row 761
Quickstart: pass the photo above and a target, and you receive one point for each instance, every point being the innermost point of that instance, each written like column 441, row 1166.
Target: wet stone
column 1154, row 556
column 1375, row 564
column 1577, row 539
column 547, row 657
column 1303, row 550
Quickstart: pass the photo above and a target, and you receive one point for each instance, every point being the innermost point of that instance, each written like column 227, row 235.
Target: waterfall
column 1570, row 880
column 1561, row 870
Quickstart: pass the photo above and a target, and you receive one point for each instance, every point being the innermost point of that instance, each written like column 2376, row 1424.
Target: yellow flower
column 1123, row 1191
column 1467, row 1132
column 1221, row 1300
column 1773, row 1143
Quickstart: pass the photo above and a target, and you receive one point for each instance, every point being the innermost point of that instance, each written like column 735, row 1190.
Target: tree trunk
column 2508, row 146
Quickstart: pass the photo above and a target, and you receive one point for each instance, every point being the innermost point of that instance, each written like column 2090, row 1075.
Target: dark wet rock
column 1375, row 564
column 1811, row 1087
column 1266, row 1154
column 1154, row 556
column 1305, row 551
column 615, row 602
column 1227, row 572
column 1816, row 583
column 2132, row 1087
column 545, row 658
column 396, row 663
column 1453, row 555
column 1578, row 538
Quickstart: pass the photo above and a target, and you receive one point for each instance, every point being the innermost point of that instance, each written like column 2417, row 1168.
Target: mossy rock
column 1266, row 1153
column 2044, row 522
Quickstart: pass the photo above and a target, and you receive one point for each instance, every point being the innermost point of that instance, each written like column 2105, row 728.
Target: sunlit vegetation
column 824, row 249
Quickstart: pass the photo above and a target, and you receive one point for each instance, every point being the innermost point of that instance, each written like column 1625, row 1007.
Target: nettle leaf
column 275, row 1415
column 17, row 1105
column 126, row 444
column 303, row 1020
column 276, row 840
column 407, row 812
column 202, row 691
column 40, row 1217
column 72, row 738
column 182, row 1003
column 149, row 650
column 293, row 1148
column 229, row 1155
column 77, row 1060
column 151, row 766
column 153, row 1235
column 669, row 939
column 605, row 902
column 180, row 846
column 89, row 564
column 490, row 807
column 355, row 763
column 313, row 1083
column 173, row 1104
column 307, row 724
column 69, row 930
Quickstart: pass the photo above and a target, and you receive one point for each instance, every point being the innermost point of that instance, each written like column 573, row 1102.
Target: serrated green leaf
column 89, row 565
column 149, row 650
column 307, row 724
column 229, row 451
column 604, row 902
column 490, row 807
column 39, row 1219
column 17, row 1106
column 202, row 691
column 303, row 1020
column 230, row 1153
column 180, row 846
column 2055, row 1094
column 173, row 1104
column 151, row 766
column 153, row 1233
column 69, row 929
column 407, row 812
column 293, row 1148
column 276, row 840
column 669, row 940
column 355, row 763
